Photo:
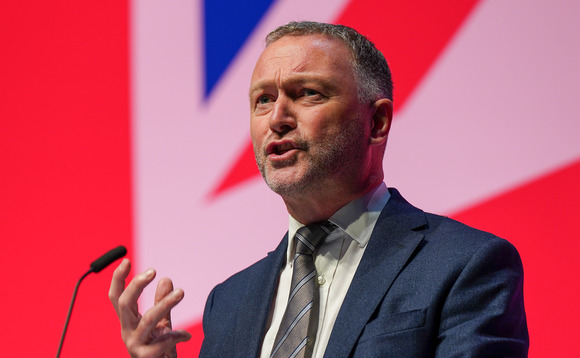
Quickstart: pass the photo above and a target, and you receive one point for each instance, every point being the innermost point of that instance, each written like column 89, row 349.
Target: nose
column 282, row 117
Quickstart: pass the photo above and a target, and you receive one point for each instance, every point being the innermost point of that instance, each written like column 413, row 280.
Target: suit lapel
column 254, row 311
column 391, row 245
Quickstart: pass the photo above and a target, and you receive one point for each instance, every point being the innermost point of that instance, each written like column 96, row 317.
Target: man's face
column 308, row 128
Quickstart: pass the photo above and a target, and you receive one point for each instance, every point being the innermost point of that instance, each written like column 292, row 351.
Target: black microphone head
column 108, row 258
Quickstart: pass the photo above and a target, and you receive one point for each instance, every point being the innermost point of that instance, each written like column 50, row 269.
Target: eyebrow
column 296, row 79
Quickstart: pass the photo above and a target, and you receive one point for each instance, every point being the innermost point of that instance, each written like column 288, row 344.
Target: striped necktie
column 297, row 331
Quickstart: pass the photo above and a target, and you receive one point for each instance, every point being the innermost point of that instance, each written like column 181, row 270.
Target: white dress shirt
column 336, row 262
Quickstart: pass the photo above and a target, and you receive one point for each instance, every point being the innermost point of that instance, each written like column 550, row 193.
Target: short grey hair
column 369, row 65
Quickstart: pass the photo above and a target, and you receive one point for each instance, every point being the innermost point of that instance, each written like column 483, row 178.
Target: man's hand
column 150, row 335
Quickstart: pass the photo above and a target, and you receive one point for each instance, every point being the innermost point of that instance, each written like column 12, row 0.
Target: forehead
column 314, row 55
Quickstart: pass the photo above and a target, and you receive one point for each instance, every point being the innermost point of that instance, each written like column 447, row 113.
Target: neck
column 320, row 204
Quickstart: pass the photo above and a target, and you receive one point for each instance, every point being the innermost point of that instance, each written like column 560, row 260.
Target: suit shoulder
column 456, row 238
column 452, row 230
column 238, row 282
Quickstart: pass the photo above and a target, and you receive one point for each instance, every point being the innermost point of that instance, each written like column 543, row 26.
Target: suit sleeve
column 483, row 315
column 207, row 346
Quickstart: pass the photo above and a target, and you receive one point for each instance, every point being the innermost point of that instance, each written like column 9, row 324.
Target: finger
column 152, row 317
column 163, row 345
column 128, row 308
column 118, row 282
column 164, row 287
column 168, row 341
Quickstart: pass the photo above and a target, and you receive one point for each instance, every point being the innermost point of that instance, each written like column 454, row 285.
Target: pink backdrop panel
column 106, row 139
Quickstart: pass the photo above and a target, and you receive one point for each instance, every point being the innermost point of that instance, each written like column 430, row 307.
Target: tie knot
column 309, row 237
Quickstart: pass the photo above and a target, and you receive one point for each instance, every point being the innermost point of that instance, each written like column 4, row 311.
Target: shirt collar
column 357, row 218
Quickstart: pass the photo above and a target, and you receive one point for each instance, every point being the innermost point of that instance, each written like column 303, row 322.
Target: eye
column 263, row 99
column 310, row 92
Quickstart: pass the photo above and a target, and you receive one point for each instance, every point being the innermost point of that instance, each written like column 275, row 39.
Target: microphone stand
column 70, row 308
column 96, row 266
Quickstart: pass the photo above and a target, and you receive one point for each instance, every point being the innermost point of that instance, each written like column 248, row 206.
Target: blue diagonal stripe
column 303, row 240
column 292, row 325
column 300, row 284
column 299, row 348
column 227, row 25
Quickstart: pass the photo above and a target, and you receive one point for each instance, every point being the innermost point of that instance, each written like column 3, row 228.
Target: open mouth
column 280, row 148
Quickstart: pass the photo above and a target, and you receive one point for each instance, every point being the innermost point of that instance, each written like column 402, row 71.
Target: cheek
column 259, row 131
column 323, row 128
column 314, row 123
column 256, row 128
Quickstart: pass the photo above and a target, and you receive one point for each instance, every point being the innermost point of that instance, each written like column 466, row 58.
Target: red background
column 65, row 183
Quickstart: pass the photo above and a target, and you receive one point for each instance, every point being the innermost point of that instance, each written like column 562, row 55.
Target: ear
column 382, row 117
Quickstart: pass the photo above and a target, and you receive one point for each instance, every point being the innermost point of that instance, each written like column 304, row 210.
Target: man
column 381, row 277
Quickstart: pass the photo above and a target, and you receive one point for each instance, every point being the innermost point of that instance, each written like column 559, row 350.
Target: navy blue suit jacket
column 427, row 286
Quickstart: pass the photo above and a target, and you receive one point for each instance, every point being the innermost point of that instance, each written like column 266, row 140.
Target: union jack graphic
column 127, row 123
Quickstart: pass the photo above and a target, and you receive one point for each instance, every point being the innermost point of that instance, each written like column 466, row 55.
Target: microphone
column 96, row 266
column 108, row 258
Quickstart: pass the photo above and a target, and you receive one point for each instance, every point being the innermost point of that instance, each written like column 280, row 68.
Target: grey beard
column 341, row 153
